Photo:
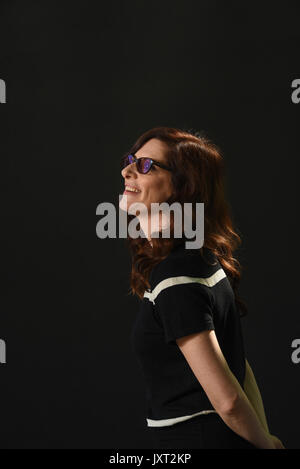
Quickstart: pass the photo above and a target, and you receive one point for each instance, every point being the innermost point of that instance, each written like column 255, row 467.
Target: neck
column 145, row 225
column 158, row 222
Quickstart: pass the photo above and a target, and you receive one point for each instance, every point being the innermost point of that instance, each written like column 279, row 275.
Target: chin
column 123, row 204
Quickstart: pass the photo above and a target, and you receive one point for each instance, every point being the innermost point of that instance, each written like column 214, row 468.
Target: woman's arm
column 252, row 392
column 204, row 356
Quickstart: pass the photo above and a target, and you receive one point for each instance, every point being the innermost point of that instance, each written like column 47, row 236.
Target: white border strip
column 167, row 422
column 172, row 281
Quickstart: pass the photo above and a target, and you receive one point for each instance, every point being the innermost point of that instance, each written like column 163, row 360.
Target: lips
column 134, row 191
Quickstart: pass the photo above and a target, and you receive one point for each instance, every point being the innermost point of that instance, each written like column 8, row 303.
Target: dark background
column 84, row 79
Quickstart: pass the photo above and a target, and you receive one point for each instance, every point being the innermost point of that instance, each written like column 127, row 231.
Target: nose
column 129, row 170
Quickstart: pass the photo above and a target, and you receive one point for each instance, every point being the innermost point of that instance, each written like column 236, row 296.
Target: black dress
column 189, row 293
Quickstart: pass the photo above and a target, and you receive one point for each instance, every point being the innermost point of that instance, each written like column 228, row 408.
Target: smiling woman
column 145, row 171
column 187, row 334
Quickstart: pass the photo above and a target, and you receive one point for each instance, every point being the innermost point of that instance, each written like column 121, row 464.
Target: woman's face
column 156, row 185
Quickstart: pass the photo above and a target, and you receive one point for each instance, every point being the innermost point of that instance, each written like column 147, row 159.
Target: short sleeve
column 183, row 309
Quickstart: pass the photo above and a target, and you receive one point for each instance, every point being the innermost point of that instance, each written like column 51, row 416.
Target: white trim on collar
column 172, row 281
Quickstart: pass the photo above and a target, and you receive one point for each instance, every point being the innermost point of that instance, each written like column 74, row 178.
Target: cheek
column 158, row 190
column 162, row 192
column 168, row 189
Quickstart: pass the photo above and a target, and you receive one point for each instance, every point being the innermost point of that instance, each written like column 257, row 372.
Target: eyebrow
column 134, row 154
column 157, row 161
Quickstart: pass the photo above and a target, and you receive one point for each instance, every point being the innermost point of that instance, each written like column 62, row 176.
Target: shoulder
column 181, row 262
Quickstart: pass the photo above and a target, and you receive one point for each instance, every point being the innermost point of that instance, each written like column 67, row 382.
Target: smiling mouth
column 131, row 190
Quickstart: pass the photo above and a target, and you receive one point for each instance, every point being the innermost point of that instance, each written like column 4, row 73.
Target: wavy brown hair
column 197, row 176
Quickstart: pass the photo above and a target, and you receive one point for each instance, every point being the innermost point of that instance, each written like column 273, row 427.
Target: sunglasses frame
column 152, row 162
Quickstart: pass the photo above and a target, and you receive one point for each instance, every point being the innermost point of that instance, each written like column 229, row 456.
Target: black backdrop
column 83, row 80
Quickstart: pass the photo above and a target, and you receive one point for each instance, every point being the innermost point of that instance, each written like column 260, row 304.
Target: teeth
column 131, row 189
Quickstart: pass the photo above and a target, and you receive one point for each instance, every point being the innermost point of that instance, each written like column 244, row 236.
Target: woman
column 201, row 392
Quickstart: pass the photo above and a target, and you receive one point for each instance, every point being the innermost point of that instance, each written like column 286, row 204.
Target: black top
column 188, row 294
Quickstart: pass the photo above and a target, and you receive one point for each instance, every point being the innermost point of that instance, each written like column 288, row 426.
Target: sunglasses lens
column 144, row 165
column 127, row 160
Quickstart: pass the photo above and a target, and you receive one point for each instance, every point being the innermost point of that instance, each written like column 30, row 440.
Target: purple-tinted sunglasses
column 143, row 164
